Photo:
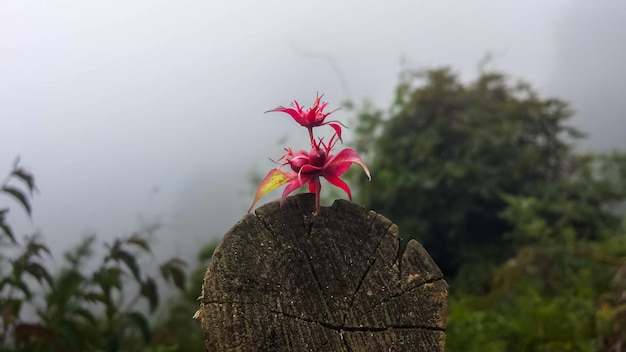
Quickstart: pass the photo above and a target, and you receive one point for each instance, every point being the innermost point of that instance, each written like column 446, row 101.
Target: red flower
column 313, row 117
column 307, row 168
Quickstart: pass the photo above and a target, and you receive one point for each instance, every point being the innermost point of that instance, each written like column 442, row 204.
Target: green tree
column 453, row 163
column 528, row 231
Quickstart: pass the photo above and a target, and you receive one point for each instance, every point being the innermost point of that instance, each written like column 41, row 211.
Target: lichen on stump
column 285, row 280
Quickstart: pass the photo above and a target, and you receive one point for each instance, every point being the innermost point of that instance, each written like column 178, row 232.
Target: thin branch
column 329, row 59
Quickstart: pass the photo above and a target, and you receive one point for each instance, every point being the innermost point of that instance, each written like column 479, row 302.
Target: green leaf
column 21, row 285
column 139, row 242
column 27, row 177
column 95, row 297
column 19, row 196
column 172, row 271
column 108, row 278
column 67, row 286
column 5, row 227
column 87, row 315
column 80, row 253
column 37, row 271
column 165, row 272
column 33, row 247
column 149, row 290
column 140, row 321
column 113, row 249
column 179, row 277
column 130, row 262
column 114, row 276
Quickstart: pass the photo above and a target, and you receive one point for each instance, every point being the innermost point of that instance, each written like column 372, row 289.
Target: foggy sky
column 156, row 107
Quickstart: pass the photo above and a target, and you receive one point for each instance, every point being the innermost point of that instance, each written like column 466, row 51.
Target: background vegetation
column 529, row 231
column 89, row 303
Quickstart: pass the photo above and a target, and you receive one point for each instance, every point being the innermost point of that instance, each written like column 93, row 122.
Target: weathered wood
column 285, row 280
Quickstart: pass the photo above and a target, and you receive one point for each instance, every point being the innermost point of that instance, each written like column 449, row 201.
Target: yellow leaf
column 274, row 179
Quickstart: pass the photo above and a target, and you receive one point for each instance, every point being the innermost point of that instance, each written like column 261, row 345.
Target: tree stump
column 285, row 280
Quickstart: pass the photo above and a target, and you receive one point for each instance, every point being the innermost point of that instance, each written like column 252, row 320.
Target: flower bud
column 298, row 160
column 317, row 157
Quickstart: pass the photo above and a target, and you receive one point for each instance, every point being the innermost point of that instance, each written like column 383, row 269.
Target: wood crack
column 287, row 280
column 330, row 326
column 420, row 285
column 371, row 262
column 308, row 228
column 317, row 280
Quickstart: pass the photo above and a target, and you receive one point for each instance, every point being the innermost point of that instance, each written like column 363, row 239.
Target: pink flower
column 307, row 168
column 313, row 117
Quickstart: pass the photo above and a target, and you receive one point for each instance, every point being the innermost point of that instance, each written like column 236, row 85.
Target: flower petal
column 295, row 114
column 295, row 183
column 337, row 128
column 310, row 117
column 274, row 179
column 337, row 182
column 316, row 102
column 308, row 168
column 338, row 164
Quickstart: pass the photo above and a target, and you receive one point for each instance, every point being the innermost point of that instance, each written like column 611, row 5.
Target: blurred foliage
column 174, row 325
column 547, row 298
column 461, row 166
column 85, row 305
column 528, row 232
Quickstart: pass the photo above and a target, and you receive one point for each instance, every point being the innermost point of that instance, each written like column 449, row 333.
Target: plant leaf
column 27, row 177
column 139, row 242
column 37, row 271
column 130, row 262
column 149, row 290
column 21, row 285
column 179, row 277
column 274, row 179
column 172, row 271
column 108, row 278
column 17, row 194
column 6, row 229
column 33, row 247
column 67, row 286
column 95, row 297
column 87, row 315
column 140, row 321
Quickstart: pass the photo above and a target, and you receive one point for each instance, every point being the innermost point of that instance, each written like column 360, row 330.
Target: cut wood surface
column 283, row 279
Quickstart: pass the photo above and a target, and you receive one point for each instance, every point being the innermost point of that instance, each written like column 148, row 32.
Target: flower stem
column 318, row 189
column 311, row 137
